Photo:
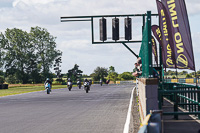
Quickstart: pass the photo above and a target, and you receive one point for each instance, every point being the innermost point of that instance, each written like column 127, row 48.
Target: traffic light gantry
column 116, row 22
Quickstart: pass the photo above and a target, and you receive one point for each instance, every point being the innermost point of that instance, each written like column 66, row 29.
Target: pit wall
column 148, row 96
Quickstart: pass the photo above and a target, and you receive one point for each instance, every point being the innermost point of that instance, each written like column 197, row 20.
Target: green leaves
column 28, row 54
column 99, row 73
column 74, row 73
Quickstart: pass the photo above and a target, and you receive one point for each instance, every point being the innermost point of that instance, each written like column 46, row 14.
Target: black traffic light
column 103, row 32
column 128, row 31
column 115, row 29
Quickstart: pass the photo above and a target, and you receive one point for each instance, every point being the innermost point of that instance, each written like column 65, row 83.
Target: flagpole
column 195, row 76
column 176, row 74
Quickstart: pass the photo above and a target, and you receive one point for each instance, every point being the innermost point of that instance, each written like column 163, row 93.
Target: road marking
column 128, row 118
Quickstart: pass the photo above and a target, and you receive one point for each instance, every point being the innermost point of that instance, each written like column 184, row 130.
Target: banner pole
column 195, row 76
column 176, row 74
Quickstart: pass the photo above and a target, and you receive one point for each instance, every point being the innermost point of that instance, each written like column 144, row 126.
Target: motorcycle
column 86, row 86
column 101, row 83
column 48, row 88
column 79, row 84
column 69, row 85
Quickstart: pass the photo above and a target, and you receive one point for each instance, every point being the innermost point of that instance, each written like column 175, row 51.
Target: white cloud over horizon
column 74, row 38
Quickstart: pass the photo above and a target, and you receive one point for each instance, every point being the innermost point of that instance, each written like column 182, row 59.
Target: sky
column 74, row 38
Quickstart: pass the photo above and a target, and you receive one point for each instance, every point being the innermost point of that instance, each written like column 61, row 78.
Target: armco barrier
column 183, row 80
column 174, row 80
column 126, row 82
column 152, row 123
column 189, row 81
column 3, row 86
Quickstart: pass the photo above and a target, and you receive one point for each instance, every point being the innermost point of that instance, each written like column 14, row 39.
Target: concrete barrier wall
column 148, row 96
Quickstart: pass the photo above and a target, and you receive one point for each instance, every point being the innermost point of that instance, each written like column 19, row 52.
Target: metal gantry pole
column 130, row 50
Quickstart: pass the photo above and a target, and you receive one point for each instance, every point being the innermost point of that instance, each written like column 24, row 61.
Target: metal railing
column 182, row 95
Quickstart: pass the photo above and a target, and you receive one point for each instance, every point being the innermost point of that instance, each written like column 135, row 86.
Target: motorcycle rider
column 86, row 80
column 69, row 80
column 79, row 83
column 108, row 81
column 101, row 82
column 90, row 82
column 69, row 85
column 48, row 81
column 86, row 83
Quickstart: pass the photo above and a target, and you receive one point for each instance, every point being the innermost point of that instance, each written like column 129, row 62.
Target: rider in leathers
column 48, row 81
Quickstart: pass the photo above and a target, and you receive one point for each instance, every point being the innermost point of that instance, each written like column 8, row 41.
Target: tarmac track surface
column 102, row 110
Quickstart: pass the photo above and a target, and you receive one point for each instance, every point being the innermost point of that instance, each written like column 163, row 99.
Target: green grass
column 21, row 90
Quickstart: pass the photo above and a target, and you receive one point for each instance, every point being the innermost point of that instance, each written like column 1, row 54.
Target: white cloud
column 74, row 38
column 31, row 2
column 193, row 7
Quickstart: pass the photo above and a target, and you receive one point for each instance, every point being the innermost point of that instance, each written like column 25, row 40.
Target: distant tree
column 99, row 73
column 2, row 52
column 85, row 76
column 57, row 67
column 45, row 49
column 125, row 76
column 198, row 72
column 188, row 76
column 12, row 79
column 170, row 72
column 18, row 50
column 183, row 73
column 27, row 56
column 74, row 73
column 112, row 75
column 33, row 72
column 192, row 73
column 111, row 69
column 173, row 77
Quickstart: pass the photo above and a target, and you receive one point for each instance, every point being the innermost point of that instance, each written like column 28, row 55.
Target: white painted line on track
column 128, row 118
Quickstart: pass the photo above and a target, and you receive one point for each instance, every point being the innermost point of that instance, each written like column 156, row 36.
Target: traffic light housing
column 115, row 29
column 103, row 32
column 128, row 27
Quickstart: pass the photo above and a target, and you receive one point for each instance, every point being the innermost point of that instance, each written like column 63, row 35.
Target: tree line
column 26, row 57
column 110, row 74
column 99, row 73
column 184, row 74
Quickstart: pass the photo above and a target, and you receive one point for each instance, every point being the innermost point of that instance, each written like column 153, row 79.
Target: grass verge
column 27, row 89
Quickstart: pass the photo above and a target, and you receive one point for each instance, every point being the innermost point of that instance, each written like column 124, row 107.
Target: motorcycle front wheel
column 69, row 88
column 79, row 86
column 87, row 90
column 48, row 91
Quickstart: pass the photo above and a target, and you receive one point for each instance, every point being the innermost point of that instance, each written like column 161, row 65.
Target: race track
column 102, row 110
